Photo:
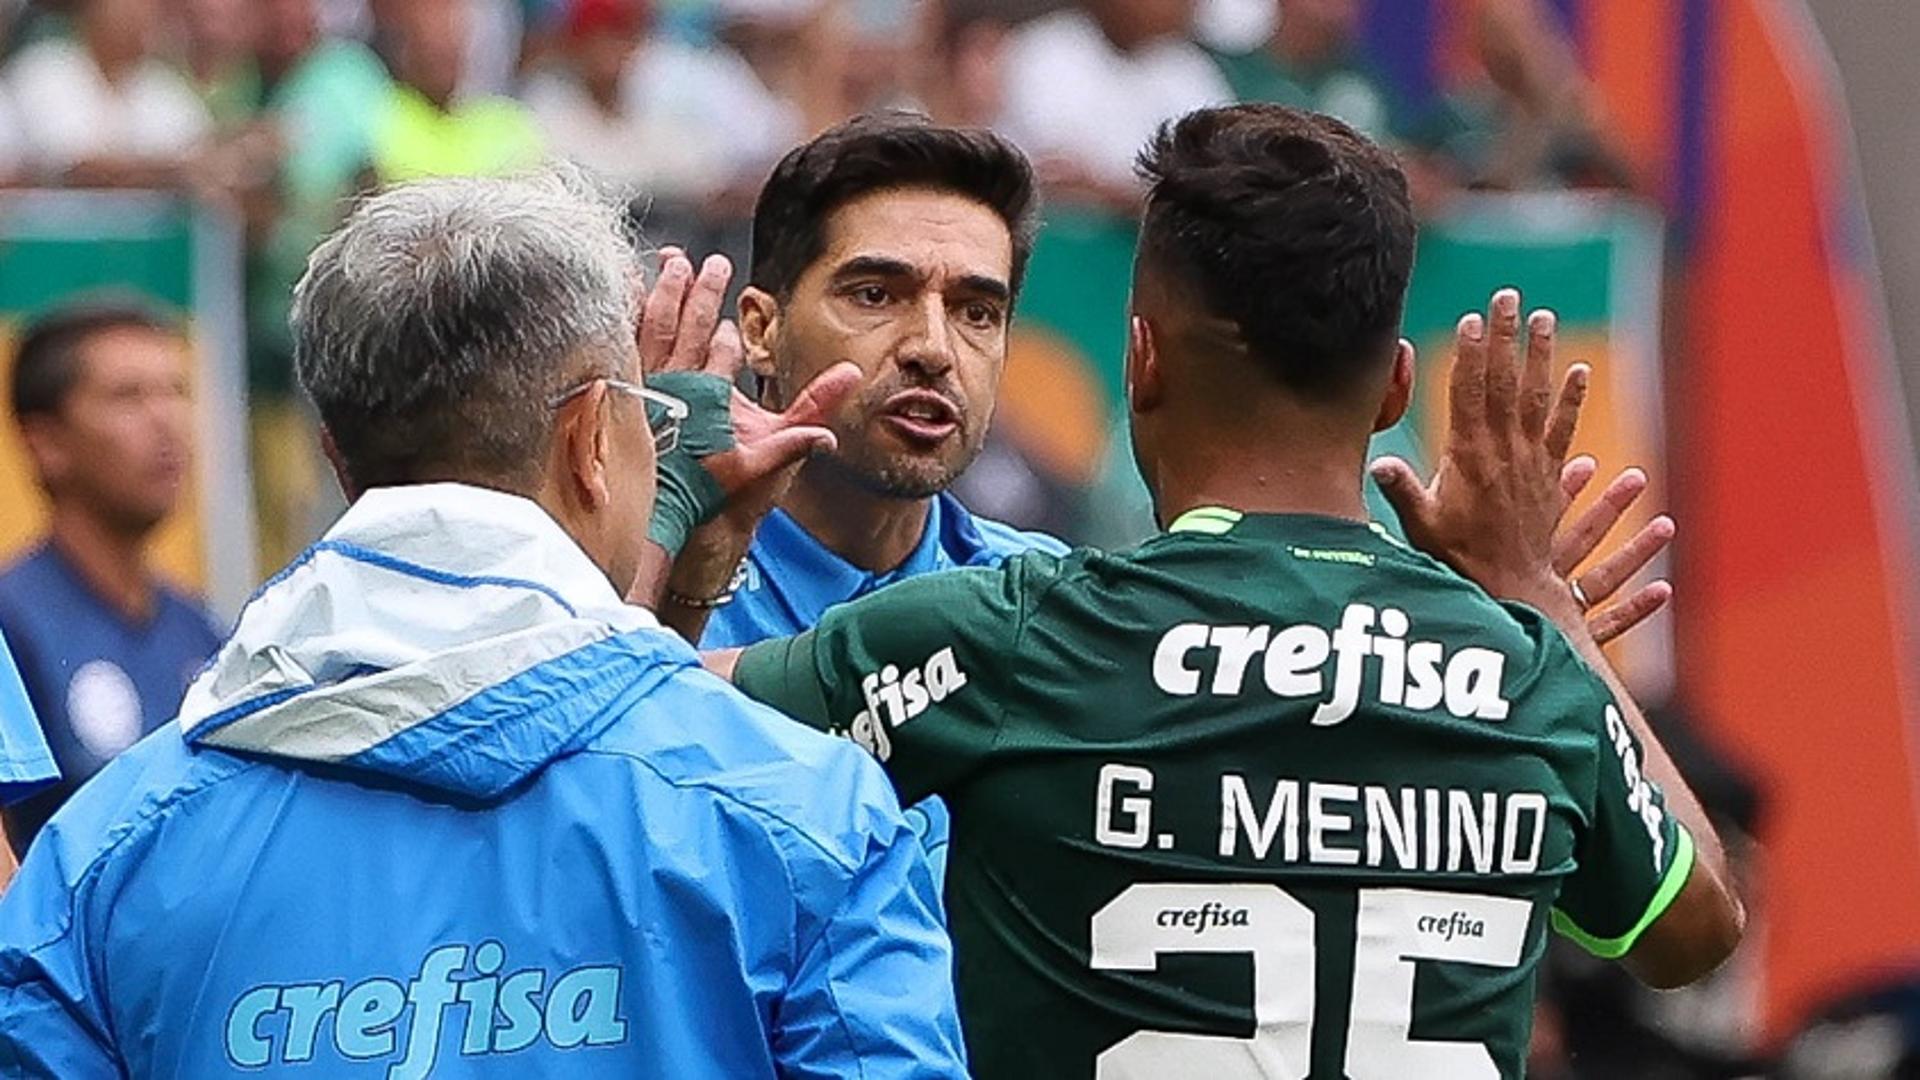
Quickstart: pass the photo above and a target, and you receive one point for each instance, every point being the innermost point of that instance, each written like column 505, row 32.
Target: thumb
column 790, row 446
column 817, row 400
column 1402, row 488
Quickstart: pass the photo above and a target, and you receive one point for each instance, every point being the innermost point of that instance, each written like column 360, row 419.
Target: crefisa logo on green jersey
column 1641, row 796
column 895, row 697
column 1413, row 674
column 380, row 1017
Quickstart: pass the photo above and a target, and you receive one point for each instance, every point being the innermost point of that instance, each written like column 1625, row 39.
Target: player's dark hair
column 46, row 365
column 1293, row 226
column 876, row 152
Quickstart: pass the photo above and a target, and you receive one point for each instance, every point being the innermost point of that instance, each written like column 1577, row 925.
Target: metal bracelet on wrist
column 700, row 603
column 719, row 600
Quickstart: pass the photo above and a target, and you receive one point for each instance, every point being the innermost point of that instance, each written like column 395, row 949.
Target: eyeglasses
column 665, row 413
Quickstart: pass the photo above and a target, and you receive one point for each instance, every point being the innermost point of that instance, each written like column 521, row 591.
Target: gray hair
column 432, row 327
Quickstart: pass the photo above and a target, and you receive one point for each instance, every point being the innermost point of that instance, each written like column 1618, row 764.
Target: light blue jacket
column 444, row 806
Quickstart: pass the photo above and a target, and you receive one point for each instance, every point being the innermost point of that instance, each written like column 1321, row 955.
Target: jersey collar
column 949, row 539
column 1207, row 520
column 1220, row 520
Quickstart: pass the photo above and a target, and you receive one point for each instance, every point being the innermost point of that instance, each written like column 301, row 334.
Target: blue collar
column 949, row 539
column 809, row 578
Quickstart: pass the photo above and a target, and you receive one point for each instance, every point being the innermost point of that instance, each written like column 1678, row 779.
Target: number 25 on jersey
column 1394, row 930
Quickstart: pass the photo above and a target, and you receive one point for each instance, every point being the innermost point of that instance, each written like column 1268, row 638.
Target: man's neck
column 873, row 532
column 110, row 562
column 1309, row 471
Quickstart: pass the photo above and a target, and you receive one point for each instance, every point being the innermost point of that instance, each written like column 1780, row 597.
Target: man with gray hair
column 444, row 803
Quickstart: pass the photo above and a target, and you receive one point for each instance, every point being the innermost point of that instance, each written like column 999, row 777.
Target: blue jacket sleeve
column 25, row 762
column 52, row 1021
column 873, row 997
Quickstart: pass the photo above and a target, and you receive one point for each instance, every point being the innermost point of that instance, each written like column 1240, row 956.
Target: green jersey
column 1269, row 796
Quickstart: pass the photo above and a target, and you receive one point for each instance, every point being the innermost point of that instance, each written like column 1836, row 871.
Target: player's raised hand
column 1497, row 498
column 734, row 458
column 680, row 315
column 687, row 349
column 1578, row 540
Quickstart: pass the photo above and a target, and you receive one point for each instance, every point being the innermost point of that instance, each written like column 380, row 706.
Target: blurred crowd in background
column 280, row 111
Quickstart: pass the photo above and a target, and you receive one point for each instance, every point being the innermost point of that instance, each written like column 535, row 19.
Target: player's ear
column 759, row 325
column 338, row 462
column 1399, row 395
column 1145, row 378
column 583, row 448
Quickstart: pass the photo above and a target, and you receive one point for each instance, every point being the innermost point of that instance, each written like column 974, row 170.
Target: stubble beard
column 898, row 476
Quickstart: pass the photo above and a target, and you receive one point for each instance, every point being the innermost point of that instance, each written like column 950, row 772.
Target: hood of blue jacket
column 441, row 636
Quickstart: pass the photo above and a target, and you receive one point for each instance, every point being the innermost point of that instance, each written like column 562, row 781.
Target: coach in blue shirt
column 899, row 245
column 99, row 391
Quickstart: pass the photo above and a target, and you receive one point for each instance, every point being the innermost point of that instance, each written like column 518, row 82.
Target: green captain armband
column 1616, row 947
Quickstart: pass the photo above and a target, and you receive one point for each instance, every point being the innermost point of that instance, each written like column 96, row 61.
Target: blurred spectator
column 1536, row 105
column 790, row 75
column 962, row 62
column 324, row 95
column 217, row 48
column 877, row 72
column 691, row 128
column 604, row 104
column 494, row 34
column 425, row 128
column 106, row 651
column 100, row 108
column 1088, row 86
column 1311, row 62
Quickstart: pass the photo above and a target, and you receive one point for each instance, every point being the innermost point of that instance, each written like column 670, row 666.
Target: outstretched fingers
column 1577, row 542
column 1467, row 380
column 1565, row 418
column 1614, row 621
column 1536, row 376
column 1503, row 357
column 1611, row 573
column 700, row 317
column 1575, row 475
column 660, row 314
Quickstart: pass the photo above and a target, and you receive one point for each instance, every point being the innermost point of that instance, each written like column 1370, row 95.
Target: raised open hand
column 1494, row 510
column 1578, row 540
column 734, row 456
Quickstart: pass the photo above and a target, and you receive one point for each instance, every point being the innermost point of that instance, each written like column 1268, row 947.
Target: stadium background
column 1689, row 198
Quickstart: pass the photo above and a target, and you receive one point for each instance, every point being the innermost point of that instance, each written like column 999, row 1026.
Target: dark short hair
column 1293, row 226
column 877, row 152
column 46, row 365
